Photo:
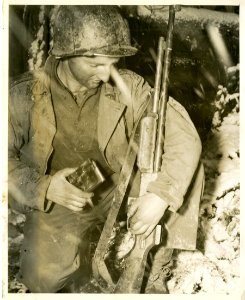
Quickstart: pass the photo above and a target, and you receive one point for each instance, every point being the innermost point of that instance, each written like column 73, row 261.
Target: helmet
column 91, row 30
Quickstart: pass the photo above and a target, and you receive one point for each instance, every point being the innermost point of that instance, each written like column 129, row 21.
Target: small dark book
column 87, row 177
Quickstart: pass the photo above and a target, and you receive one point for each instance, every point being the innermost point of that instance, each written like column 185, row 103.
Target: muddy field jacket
column 32, row 129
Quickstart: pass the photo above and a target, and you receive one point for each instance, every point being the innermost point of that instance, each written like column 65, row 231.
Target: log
column 191, row 39
column 196, row 70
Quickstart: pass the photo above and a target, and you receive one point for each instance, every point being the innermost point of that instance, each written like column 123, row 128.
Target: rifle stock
column 132, row 276
column 149, row 162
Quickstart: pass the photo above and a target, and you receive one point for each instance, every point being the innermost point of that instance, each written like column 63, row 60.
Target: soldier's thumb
column 132, row 210
column 67, row 171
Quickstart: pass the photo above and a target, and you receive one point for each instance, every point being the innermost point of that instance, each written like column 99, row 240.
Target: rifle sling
column 121, row 188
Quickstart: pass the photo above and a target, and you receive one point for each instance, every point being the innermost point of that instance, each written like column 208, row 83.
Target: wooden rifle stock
column 131, row 279
column 149, row 162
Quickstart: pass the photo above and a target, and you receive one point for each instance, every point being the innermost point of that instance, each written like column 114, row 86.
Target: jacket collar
column 110, row 109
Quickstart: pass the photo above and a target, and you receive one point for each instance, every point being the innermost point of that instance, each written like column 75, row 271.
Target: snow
column 215, row 266
column 37, row 55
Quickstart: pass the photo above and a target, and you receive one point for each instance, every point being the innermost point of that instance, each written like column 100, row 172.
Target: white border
column 3, row 150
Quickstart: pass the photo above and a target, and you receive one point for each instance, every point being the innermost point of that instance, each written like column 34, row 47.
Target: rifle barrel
column 157, row 87
column 164, row 93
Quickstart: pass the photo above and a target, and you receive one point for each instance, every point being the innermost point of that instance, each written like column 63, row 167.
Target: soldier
column 71, row 111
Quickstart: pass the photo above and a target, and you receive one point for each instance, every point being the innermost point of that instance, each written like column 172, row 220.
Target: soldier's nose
column 104, row 73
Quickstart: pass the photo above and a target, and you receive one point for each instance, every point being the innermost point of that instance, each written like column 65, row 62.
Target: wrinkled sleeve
column 27, row 187
column 182, row 150
column 139, row 92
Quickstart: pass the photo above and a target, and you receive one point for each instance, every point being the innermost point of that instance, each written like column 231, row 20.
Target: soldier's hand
column 62, row 192
column 145, row 213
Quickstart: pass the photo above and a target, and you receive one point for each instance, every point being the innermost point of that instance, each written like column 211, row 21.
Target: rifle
column 149, row 163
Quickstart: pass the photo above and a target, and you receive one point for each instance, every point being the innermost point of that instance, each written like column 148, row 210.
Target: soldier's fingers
column 74, row 208
column 132, row 210
column 132, row 221
column 79, row 202
column 67, row 171
column 136, row 227
column 76, row 191
column 148, row 231
column 85, row 194
column 141, row 229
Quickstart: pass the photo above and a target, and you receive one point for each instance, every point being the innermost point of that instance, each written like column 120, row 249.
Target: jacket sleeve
column 182, row 151
column 27, row 187
column 140, row 91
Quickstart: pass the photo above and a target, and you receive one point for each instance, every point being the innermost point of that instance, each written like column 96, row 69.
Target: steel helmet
column 91, row 30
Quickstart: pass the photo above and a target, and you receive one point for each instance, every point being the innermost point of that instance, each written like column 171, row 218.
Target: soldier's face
column 91, row 71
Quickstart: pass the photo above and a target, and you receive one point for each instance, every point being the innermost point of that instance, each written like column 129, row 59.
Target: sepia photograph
column 123, row 171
